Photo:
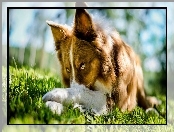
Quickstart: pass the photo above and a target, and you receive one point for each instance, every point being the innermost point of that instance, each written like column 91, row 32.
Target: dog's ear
column 83, row 25
column 80, row 4
column 60, row 32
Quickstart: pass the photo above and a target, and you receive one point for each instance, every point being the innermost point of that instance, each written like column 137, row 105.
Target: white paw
column 57, row 94
column 55, row 107
column 152, row 110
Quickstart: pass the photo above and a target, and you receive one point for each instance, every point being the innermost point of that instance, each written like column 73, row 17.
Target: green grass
column 27, row 86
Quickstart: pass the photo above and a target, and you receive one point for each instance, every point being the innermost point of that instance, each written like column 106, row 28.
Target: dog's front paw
column 58, row 95
column 152, row 110
column 55, row 107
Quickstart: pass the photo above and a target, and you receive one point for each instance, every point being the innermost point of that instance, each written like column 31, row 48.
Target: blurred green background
column 31, row 43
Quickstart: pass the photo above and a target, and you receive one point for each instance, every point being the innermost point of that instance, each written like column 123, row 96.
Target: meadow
column 25, row 106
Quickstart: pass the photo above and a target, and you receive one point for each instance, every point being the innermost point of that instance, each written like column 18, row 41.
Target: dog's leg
column 120, row 96
column 144, row 101
column 132, row 95
column 128, row 98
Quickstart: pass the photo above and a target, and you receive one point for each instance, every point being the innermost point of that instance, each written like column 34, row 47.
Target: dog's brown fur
column 101, row 61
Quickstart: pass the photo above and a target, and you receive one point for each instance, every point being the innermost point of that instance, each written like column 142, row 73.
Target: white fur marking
column 72, row 66
column 59, row 68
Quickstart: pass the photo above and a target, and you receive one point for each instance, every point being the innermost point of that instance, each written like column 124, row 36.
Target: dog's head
column 80, row 51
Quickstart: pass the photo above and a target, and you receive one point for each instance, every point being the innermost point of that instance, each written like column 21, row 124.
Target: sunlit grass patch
column 27, row 86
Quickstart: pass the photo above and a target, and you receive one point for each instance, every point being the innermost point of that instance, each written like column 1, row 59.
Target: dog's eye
column 82, row 66
column 67, row 70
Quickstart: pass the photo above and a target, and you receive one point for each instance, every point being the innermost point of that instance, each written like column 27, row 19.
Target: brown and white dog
column 98, row 68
